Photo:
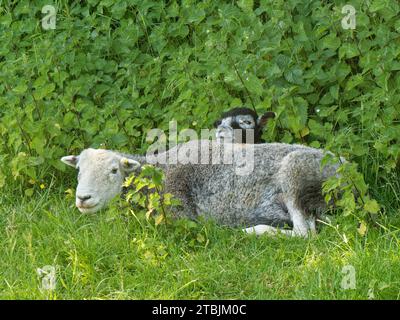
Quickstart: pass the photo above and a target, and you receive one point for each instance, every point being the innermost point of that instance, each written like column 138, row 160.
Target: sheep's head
column 235, row 124
column 101, row 174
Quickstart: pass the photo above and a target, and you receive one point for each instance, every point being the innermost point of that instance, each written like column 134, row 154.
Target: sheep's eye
column 114, row 171
column 246, row 121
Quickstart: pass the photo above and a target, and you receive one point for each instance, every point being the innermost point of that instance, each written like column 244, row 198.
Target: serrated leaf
column 159, row 219
column 305, row 131
column 21, row 88
column 371, row 206
column 246, row 5
column 254, row 84
column 362, row 229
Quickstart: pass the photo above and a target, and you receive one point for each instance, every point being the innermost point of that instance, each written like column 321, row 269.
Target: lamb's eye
column 217, row 123
column 246, row 122
column 114, row 171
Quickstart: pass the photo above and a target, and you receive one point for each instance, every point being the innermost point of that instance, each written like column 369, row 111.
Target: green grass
column 114, row 255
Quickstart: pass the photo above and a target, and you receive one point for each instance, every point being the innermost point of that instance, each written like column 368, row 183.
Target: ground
column 110, row 255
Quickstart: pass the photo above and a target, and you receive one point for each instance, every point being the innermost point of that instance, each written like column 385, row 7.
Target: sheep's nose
column 84, row 198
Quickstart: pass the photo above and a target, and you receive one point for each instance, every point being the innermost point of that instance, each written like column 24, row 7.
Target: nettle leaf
column 246, row 5
column 342, row 70
column 20, row 89
column 254, row 84
column 354, row 81
column 362, row 229
column 348, row 50
column 193, row 14
column 334, row 91
column 294, row 76
column 377, row 5
column 326, row 99
column 173, row 10
column 118, row 9
column 38, row 144
column 331, row 41
column 372, row 206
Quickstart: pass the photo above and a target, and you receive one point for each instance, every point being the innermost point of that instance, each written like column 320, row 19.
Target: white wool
column 101, row 175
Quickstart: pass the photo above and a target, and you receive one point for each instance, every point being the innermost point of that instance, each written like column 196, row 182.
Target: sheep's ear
column 262, row 120
column 217, row 123
column 70, row 160
column 129, row 165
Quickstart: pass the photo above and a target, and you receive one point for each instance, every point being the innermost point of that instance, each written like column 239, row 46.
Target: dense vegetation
column 110, row 71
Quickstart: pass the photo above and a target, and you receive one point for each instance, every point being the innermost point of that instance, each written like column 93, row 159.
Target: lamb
column 281, row 186
column 236, row 125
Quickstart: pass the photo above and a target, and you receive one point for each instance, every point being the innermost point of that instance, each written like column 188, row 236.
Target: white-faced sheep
column 283, row 186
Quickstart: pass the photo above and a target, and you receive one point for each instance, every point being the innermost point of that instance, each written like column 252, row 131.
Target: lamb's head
column 235, row 124
column 101, row 174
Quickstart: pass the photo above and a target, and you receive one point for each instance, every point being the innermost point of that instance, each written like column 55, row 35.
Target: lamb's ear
column 262, row 120
column 129, row 165
column 70, row 160
column 217, row 123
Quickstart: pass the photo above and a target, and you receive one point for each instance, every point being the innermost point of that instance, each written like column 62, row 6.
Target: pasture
column 114, row 255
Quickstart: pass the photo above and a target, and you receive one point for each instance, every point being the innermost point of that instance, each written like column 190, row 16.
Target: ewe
column 261, row 187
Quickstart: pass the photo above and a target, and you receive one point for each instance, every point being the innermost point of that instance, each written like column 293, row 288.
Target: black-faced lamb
column 241, row 125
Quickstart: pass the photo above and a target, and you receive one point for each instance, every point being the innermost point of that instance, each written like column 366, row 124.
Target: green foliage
column 146, row 194
column 110, row 71
column 348, row 191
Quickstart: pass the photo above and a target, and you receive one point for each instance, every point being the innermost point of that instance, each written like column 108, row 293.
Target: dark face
column 239, row 125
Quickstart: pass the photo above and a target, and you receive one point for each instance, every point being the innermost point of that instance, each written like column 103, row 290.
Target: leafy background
column 111, row 71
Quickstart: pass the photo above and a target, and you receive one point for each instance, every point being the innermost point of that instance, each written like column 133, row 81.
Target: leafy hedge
column 110, row 71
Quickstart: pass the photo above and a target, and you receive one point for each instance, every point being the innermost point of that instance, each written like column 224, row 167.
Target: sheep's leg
column 311, row 221
column 263, row 228
column 301, row 224
column 300, row 179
